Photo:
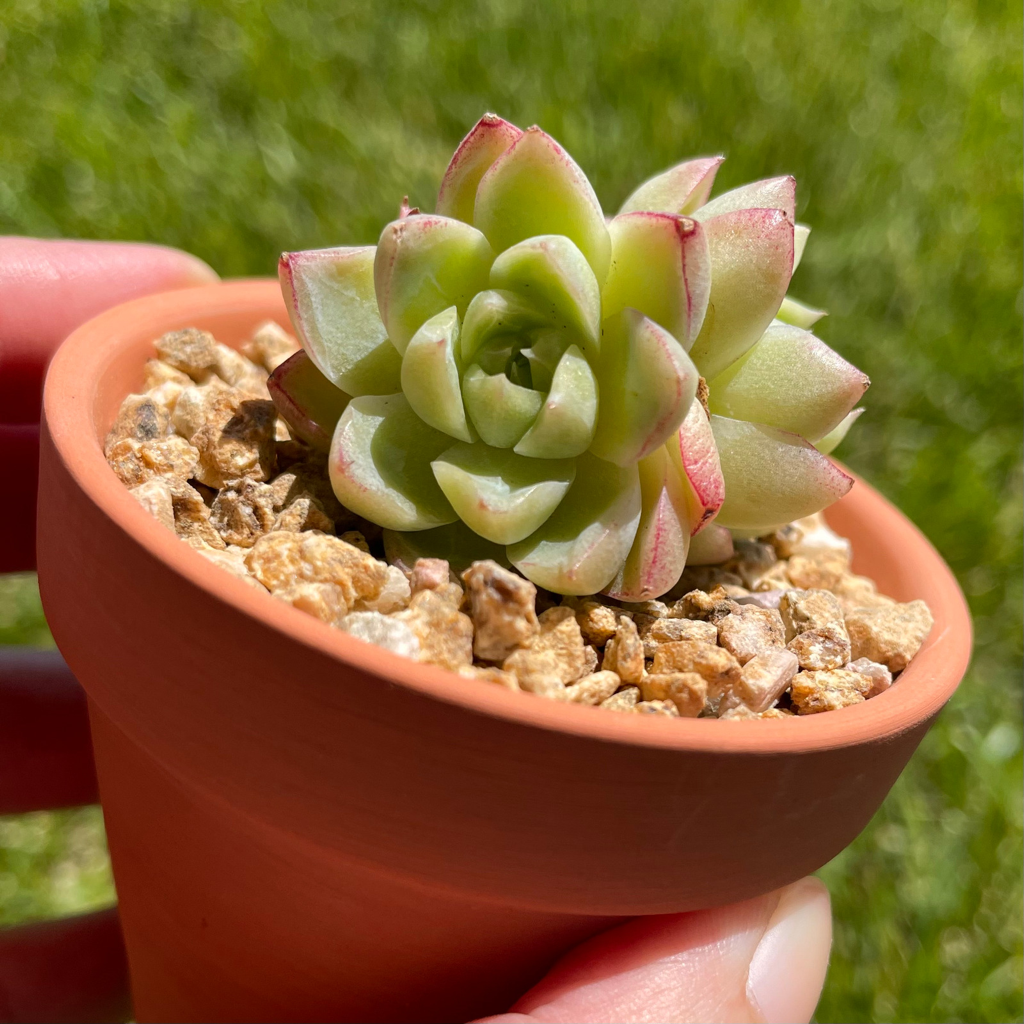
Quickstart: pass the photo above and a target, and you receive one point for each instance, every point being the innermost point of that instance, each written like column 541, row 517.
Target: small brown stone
column 231, row 560
column 236, row 370
column 859, row 592
column 393, row 597
column 444, row 633
column 698, row 604
column 324, row 601
column 624, row 653
column 429, row 574
column 165, row 397
column 718, row 667
column 597, row 622
column 704, row 577
column 136, row 462
column 686, row 690
column 764, row 679
column 191, row 351
column 242, row 514
column 502, row 607
column 310, row 479
column 241, row 447
column 281, row 559
column 305, row 513
column 655, row 609
column 657, row 707
column 593, row 688
column 879, row 675
column 813, row 692
column 776, row 578
column 139, row 419
column 192, row 517
column 156, row 372
column 155, row 497
column 817, row 572
column 752, row 561
column 624, row 700
column 891, row 634
column 827, row 647
column 666, row 631
column 809, row 537
column 556, row 650
column 749, row 631
column 270, row 346
column 198, row 405
column 808, row 609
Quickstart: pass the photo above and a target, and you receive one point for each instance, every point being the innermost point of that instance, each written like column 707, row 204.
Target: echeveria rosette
column 522, row 371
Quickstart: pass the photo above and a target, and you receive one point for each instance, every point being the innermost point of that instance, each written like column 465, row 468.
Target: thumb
column 761, row 960
column 49, row 287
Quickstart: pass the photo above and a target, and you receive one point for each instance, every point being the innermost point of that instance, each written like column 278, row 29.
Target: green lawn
column 238, row 129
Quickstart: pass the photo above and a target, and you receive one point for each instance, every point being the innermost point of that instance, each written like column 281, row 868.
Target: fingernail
column 788, row 968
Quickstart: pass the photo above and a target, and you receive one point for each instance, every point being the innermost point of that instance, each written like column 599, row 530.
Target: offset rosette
column 515, row 370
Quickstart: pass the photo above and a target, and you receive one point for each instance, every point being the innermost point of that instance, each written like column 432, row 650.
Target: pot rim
column 73, row 388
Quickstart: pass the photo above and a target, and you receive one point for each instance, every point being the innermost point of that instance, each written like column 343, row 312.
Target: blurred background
column 238, row 129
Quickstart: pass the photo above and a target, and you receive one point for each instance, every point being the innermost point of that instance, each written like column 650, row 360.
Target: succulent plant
column 583, row 394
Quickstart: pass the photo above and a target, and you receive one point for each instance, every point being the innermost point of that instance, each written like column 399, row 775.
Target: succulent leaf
column 661, row 266
column 502, row 496
column 658, row 555
column 773, row 476
column 456, row 543
column 694, row 450
column 430, row 376
column 800, row 233
column 751, row 264
column 500, row 410
column 647, row 383
column 799, row 315
column 681, row 189
column 487, row 140
column 496, row 314
column 564, row 427
column 536, row 188
column 834, row 437
column 330, row 299
column 581, row 546
column 306, row 400
column 380, row 464
column 711, row 546
column 424, row 264
column 551, row 273
column 789, row 380
column 770, row 194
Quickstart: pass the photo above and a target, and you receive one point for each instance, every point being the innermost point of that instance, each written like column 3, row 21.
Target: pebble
column 382, row 630
column 814, row 692
column 890, row 634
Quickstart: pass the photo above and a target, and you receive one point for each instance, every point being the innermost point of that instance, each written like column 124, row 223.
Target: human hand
column 760, row 960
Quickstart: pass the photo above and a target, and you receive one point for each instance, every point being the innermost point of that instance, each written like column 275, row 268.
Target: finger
column 760, row 960
column 45, row 748
column 48, row 288
column 72, row 970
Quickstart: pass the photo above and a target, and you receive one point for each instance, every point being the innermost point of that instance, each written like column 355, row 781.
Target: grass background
column 238, row 129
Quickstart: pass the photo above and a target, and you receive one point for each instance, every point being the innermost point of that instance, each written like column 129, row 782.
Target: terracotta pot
column 304, row 827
